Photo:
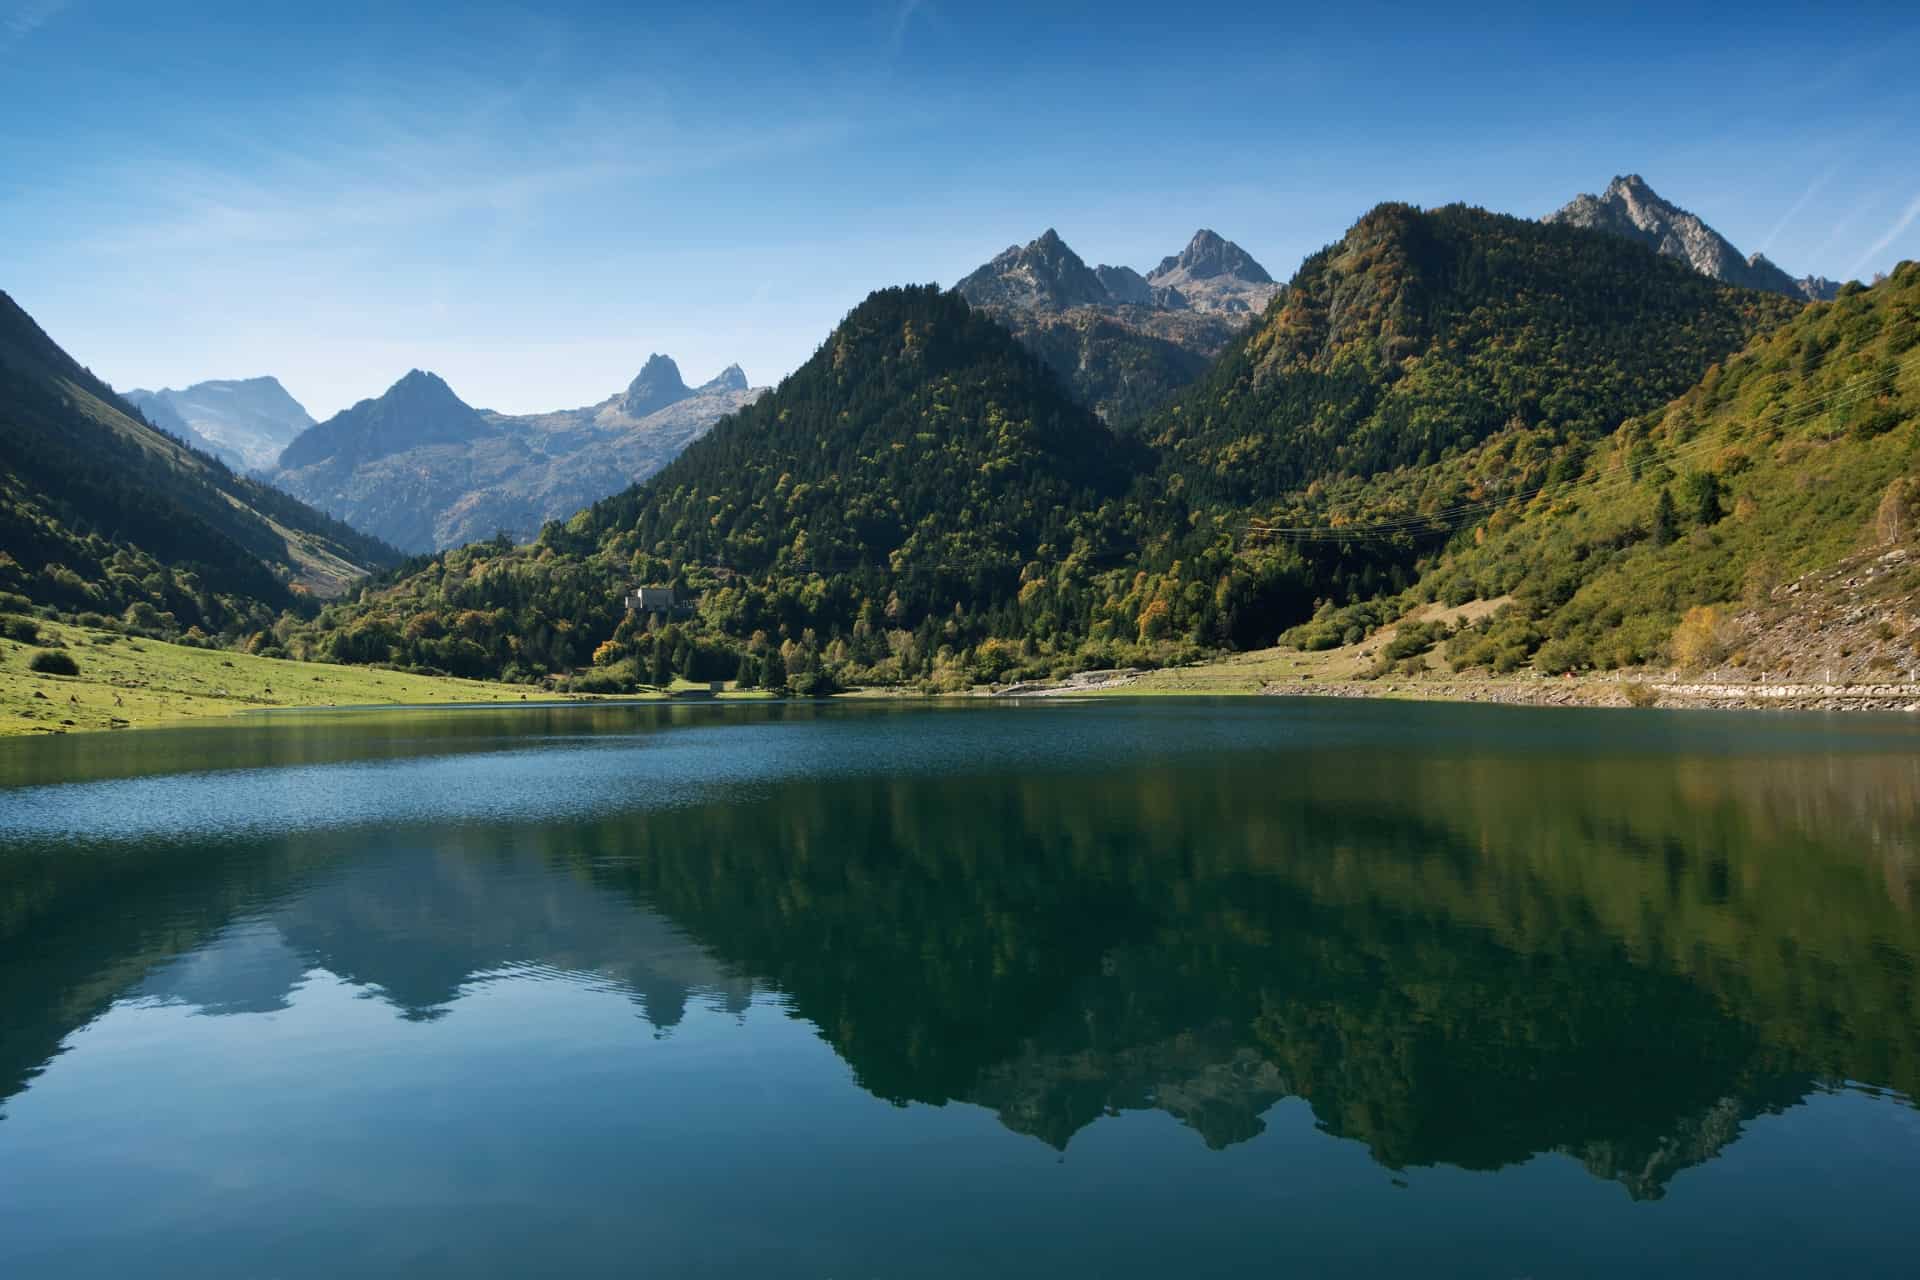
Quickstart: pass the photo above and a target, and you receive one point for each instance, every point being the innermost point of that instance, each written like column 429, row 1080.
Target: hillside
column 1726, row 508
column 924, row 503
column 1121, row 341
column 918, row 437
column 244, row 423
column 1421, row 333
column 902, row 497
column 102, row 514
column 1633, row 210
column 423, row 469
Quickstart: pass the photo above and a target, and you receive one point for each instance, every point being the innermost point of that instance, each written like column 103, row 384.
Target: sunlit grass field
column 126, row 682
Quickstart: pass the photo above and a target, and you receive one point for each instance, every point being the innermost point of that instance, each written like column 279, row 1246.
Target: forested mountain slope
column 1798, row 453
column 101, row 513
column 913, row 489
column 924, row 501
column 1421, row 333
column 919, row 437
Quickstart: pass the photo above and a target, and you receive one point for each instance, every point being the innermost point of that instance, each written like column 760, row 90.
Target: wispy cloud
column 23, row 17
column 902, row 19
column 1893, row 233
column 1786, row 219
column 387, row 162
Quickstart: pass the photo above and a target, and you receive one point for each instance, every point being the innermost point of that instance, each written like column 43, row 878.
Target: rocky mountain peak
column 1044, row 274
column 418, row 383
column 1214, row 274
column 418, row 409
column 1631, row 208
column 1207, row 256
column 657, row 385
column 731, row 378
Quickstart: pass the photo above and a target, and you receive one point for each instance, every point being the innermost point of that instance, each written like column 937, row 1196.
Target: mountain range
column 1631, row 208
column 924, row 502
column 102, row 514
column 1122, row 341
column 245, row 423
column 422, row 469
column 1028, row 474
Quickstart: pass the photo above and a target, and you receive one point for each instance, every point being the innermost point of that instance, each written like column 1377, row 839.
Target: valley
column 1196, row 472
column 1301, row 656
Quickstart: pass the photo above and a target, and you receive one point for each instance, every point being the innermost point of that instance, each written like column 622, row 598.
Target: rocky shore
column 1656, row 692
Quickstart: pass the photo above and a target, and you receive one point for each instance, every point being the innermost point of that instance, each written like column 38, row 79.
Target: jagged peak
column 731, row 378
column 421, row 385
column 657, row 385
column 1044, row 273
column 1208, row 255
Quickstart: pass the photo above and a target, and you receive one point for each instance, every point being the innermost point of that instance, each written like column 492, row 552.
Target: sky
column 529, row 199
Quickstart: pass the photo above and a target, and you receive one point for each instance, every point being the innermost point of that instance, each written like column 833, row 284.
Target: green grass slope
column 1798, row 453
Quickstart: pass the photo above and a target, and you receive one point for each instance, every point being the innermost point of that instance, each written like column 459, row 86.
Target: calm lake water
column 1115, row 989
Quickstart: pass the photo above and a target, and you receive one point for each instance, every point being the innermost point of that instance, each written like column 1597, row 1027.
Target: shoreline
column 1667, row 693
column 1645, row 690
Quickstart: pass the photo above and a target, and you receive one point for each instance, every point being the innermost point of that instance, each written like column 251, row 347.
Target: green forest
column 1445, row 405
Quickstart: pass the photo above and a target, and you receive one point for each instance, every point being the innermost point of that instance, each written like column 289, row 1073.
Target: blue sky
column 530, row 199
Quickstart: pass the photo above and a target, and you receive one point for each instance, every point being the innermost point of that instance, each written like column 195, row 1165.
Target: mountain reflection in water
column 1460, row 942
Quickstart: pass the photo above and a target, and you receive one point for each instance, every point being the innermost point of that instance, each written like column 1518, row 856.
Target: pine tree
column 1666, row 526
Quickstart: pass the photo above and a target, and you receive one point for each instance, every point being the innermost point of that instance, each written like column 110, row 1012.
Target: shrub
column 818, row 684
column 616, row 679
column 1413, row 638
column 1702, row 639
column 25, row 630
column 1568, row 653
column 1640, row 695
column 53, row 662
column 1899, row 508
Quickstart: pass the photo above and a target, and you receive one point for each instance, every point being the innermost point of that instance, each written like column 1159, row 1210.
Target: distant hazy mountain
column 100, row 513
column 245, row 423
column 1122, row 342
column 1631, row 208
column 427, row 470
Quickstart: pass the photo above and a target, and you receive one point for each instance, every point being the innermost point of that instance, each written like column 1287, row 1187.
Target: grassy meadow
column 128, row 682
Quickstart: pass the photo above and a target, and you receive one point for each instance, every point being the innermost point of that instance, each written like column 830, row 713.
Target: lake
column 1115, row 988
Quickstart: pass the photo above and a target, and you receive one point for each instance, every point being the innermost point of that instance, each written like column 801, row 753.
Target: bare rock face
column 1121, row 341
column 1129, row 288
column 1042, row 276
column 657, row 386
column 1632, row 209
column 1215, row 274
column 424, row 470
